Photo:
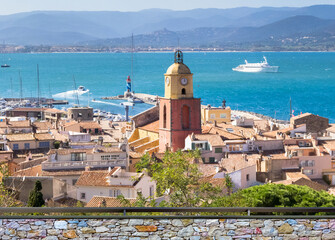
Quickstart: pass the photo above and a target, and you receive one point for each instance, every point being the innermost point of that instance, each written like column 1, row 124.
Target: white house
column 112, row 183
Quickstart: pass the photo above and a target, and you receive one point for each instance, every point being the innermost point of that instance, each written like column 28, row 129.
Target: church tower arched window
column 185, row 117
column 164, row 116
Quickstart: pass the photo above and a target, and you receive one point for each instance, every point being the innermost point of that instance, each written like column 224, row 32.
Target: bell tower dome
column 178, row 79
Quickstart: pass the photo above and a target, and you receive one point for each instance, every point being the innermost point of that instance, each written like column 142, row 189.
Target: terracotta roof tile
column 151, row 127
column 20, row 137
column 213, row 139
column 29, row 172
column 15, row 124
column 42, row 125
column 303, row 182
column 87, row 125
column 110, row 201
column 331, row 128
column 329, row 145
column 43, row 136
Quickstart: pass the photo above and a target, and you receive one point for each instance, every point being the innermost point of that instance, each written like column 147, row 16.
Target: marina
column 214, row 78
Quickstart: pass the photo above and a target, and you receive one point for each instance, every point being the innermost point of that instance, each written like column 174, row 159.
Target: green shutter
column 193, row 146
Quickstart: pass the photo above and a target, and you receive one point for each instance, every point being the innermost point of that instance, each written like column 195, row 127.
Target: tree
column 178, row 178
column 35, row 196
column 8, row 197
column 229, row 184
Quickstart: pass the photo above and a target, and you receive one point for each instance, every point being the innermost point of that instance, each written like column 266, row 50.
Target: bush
column 35, row 196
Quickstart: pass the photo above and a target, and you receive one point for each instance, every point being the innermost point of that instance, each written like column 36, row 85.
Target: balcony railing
column 82, row 164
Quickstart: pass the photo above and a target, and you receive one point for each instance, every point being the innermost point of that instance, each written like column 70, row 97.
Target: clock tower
column 179, row 112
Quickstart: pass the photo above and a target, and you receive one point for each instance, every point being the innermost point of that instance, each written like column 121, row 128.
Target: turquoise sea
column 307, row 77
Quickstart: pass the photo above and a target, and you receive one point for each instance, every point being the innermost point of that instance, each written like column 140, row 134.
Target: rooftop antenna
column 76, row 91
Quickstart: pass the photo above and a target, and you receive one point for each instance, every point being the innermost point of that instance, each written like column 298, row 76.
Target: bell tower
column 179, row 112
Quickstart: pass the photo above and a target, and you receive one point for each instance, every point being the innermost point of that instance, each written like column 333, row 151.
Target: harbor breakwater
column 175, row 229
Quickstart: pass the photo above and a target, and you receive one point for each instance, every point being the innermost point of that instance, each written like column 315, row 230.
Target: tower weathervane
column 178, row 56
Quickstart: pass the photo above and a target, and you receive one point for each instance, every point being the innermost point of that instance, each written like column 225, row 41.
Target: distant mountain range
column 161, row 28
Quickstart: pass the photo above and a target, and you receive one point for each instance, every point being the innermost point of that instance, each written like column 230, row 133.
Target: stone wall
column 175, row 229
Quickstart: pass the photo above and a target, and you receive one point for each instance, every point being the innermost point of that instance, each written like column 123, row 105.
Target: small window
column 44, row 144
column 212, row 116
column 230, row 130
column 247, row 177
column 15, row 146
column 218, row 150
column 211, row 160
column 78, row 156
column 114, row 192
column 82, row 195
column 27, row 146
column 223, row 115
column 308, row 171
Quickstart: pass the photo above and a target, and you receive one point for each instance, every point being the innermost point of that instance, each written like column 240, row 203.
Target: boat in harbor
column 71, row 94
column 5, row 65
column 262, row 66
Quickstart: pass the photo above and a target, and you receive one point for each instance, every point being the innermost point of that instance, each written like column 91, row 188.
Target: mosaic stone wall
column 175, row 229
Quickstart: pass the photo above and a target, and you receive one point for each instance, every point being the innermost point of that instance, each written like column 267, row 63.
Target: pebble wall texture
column 175, row 229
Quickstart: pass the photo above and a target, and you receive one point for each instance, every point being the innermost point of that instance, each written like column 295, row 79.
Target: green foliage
column 35, row 196
column 178, row 178
column 79, row 204
column 56, row 144
column 8, row 198
column 276, row 195
column 229, row 184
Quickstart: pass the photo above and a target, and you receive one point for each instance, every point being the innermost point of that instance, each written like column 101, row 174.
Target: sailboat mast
column 38, row 86
column 76, row 91
column 132, row 59
column 11, row 87
column 290, row 107
column 20, row 86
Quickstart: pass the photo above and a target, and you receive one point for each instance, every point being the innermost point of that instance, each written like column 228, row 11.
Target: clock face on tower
column 167, row 81
column 183, row 81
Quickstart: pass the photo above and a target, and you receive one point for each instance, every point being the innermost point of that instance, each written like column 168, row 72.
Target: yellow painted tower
column 178, row 79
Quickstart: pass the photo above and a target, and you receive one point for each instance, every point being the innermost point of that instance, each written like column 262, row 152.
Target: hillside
column 165, row 28
column 298, row 27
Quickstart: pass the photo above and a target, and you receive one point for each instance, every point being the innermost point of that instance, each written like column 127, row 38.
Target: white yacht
column 71, row 94
column 256, row 67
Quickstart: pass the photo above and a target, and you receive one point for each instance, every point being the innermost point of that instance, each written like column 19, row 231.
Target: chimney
column 215, row 124
column 7, row 121
column 245, row 157
column 87, row 168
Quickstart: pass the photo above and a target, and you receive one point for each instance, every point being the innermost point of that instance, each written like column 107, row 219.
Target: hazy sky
column 14, row 6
